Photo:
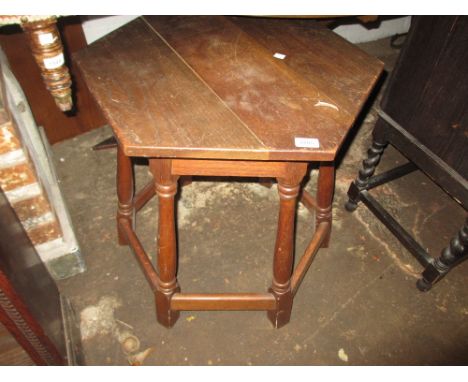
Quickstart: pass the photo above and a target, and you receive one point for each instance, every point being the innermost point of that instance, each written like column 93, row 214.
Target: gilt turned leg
column 455, row 252
column 288, row 190
column 166, row 189
column 125, row 191
column 368, row 168
column 325, row 189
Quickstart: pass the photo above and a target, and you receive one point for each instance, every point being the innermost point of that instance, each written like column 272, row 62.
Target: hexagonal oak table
column 227, row 96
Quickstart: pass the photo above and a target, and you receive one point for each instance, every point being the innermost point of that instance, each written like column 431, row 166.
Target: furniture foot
column 166, row 189
column 452, row 255
column 281, row 316
column 165, row 315
column 423, row 285
column 351, row 205
column 125, row 191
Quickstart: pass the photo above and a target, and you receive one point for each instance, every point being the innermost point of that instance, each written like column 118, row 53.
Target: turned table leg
column 125, row 191
column 325, row 189
column 166, row 189
column 288, row 189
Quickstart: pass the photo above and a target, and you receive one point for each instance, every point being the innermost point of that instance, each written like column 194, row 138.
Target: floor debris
column 139, row 358
column 99, row 319
column 129, row 342
column 342, row 355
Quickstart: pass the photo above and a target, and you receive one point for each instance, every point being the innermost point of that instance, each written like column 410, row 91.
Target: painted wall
column 357, row 33
column 95, row 27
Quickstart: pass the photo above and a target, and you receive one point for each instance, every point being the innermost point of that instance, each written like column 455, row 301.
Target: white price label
column 280, row 56
column 307, row 142
column 54, row 62
column 46, row 38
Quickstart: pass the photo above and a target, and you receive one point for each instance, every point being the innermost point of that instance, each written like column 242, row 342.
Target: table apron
column 265, row 169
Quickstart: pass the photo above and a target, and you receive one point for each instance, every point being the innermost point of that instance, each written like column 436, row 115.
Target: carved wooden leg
column 166, row 189
column 368, row 168
column 451, row 255
column 46, row 46
column 325, row 189
column 125, row 191
column 288, row 190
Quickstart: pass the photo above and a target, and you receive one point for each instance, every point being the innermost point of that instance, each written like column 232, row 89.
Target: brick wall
column 28, row 179
column 21, row 185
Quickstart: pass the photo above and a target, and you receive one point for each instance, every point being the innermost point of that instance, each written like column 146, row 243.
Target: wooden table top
column 211, row 87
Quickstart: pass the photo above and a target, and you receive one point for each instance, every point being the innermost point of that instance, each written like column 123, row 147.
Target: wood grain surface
column 428, row 90
column 210, row 87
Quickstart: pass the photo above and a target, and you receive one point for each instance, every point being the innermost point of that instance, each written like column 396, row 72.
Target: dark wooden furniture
column 424, row 115
column 31, row 307
column 47, row 49
column 58, row 125
column 206, row 96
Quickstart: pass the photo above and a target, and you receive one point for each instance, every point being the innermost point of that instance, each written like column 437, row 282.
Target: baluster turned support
column 288, row 189
column 46, row 45
column 166, row 189
column 325, row 189
column 125, row 192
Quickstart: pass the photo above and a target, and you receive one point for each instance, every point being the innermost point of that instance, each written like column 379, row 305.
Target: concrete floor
column 358, row 304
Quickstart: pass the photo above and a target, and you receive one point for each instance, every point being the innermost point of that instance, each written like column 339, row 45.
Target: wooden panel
column 152, row 99
column 235, row 168
column 58, row 125
column 202, row 87
column 274, row 102
column 428, row 91
column 319, row 97
column 342, row 72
